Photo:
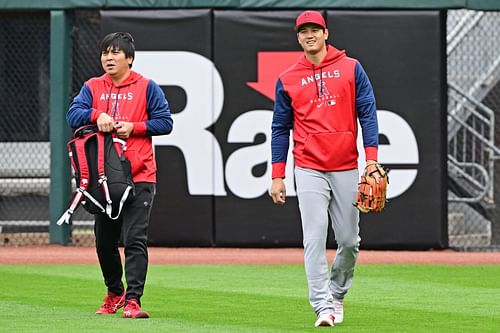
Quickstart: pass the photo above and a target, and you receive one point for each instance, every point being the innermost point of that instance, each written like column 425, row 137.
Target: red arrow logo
column 270, row 66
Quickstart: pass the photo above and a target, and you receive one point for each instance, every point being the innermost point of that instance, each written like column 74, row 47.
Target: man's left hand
column 124, row 129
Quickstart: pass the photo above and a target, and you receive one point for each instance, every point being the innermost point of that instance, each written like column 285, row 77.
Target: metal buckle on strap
column 102, row 179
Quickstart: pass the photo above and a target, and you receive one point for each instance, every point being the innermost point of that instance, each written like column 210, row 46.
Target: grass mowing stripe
column 439, row 298
column 251, row 298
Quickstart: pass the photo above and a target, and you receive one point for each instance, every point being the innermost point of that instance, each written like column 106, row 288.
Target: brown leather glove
column 372, row 191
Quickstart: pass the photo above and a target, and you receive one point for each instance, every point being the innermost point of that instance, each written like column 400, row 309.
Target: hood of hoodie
column 332, row 56
column 132, row 78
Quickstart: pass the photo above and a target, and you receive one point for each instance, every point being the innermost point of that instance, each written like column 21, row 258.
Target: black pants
column 133, row 227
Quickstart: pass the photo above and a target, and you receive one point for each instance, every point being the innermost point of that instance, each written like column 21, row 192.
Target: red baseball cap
column 310, row 16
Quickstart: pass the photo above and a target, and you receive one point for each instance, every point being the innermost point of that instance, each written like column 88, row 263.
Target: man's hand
column 278, row 191
column 370, row 168
column 105, row 123
column 124, row 129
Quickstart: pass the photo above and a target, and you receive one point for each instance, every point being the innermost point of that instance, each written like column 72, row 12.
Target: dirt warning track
column 57, row 254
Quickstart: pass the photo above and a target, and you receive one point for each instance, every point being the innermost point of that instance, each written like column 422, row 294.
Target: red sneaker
column 112, row 303
column 133, row 310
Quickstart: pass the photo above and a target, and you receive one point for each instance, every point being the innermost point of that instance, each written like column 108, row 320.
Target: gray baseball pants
column 322, row 195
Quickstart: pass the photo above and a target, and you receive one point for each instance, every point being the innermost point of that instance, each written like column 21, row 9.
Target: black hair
column 119, row 41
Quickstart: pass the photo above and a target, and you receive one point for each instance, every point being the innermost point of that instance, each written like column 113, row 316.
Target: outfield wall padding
column 218, row 69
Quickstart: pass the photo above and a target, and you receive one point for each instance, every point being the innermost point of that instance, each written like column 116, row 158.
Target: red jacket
column 322, row 104
column 137, row 100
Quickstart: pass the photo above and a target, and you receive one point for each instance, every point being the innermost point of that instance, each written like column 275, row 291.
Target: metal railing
column 479, row 185
column 462, row 22
column 471, row 149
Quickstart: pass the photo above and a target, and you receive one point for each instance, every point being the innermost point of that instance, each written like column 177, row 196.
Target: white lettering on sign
column 402, row 149
column 239, row 165
column 202, row 83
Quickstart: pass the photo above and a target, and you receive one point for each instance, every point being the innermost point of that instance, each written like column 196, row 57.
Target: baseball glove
column 371, row 195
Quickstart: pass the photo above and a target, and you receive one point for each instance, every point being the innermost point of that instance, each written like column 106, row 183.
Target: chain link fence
column 24, row 126
column 86, row 36
column 473, row 59
column 473, row 49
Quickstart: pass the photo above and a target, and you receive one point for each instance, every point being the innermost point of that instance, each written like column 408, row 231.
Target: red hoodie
column 137, row 100
column 322, row 104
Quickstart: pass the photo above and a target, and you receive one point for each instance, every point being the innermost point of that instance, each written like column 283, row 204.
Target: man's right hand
column 278, row 191
column 105, row 123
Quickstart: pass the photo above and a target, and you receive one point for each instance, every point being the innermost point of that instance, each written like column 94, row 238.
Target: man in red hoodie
column 321, row 98
column 133, row 108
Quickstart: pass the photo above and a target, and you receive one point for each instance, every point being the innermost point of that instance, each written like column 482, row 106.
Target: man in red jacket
column 133, row 108
column 321, row 98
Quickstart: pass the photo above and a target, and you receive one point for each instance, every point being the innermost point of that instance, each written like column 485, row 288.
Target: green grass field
column 216, row 298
